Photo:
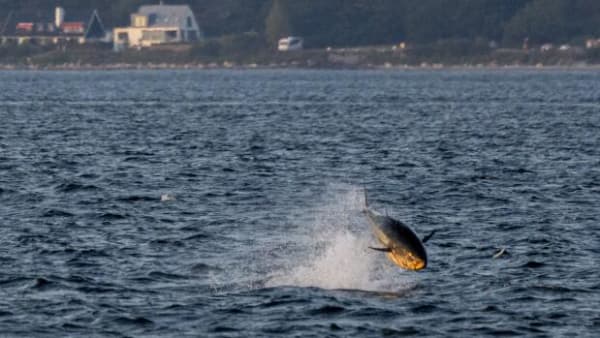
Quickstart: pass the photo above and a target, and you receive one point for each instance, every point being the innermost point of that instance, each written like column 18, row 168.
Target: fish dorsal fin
column 381, row 249
column 428, row 237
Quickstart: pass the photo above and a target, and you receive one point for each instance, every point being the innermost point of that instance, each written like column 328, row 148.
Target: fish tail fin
column 366, row 199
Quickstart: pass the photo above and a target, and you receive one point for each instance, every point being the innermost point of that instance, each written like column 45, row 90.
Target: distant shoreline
column 166, row 66
column 102, row 57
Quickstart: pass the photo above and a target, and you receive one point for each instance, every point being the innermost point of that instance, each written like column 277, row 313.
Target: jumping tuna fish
column 402, row 245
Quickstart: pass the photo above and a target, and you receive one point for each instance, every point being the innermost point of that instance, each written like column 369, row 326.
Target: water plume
column 333, row 251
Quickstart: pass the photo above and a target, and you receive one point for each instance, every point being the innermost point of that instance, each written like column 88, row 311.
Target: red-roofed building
column 73, row 27
column 25, row 27
column 52, row 29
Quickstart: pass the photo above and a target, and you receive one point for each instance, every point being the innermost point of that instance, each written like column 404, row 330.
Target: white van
column 290, row 43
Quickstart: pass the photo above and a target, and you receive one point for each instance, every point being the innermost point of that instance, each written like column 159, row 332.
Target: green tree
column 432, row 20
column 540, row 21
column 277, row 23
column 355, row 22
column 554, row 21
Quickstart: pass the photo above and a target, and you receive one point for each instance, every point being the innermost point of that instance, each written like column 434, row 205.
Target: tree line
column 364, row 22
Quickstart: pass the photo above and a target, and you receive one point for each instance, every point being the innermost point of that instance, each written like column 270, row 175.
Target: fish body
column 402, row 245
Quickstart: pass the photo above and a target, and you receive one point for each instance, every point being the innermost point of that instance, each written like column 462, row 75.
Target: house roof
column 166, row 15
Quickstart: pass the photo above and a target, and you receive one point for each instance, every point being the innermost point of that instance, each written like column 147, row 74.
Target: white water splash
column 167, row 197
column 334, row 251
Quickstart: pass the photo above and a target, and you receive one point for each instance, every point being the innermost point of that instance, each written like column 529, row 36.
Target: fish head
column 406, row 249
column 407, row 259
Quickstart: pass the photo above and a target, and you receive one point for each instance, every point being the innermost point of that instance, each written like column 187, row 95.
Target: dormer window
column 189, row 22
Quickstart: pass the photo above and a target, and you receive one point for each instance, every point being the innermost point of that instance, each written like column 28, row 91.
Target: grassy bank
column 250, row 51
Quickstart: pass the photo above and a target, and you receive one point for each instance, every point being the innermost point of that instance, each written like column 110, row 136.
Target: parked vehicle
column 290, row 43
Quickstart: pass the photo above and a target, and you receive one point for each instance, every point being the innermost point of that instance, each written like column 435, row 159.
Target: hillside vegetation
column 365, row 22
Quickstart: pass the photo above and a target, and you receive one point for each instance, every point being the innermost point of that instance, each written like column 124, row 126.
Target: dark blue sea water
column 228, row 203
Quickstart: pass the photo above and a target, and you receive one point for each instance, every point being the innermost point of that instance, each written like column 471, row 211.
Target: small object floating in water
column 167, row 197
column 501, row 252
column 401, row 244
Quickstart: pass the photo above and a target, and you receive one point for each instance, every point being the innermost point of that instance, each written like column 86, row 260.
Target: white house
column 158, row 24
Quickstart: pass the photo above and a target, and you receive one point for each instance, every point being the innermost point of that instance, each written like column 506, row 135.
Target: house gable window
column 139, row 20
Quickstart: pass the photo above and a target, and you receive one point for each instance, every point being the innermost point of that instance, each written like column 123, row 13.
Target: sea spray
column 333, row 250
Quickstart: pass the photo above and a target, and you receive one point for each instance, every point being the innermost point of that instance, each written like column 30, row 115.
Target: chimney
column 59, row 16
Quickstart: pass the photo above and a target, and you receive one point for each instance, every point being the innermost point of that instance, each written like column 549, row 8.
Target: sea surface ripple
column 227, row 203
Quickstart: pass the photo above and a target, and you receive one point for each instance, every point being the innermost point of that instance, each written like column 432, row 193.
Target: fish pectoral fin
column 381, row 249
